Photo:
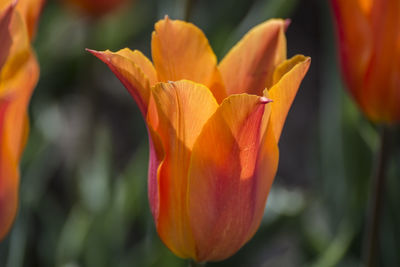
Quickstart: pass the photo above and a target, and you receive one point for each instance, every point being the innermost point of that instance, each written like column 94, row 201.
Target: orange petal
column 135, row 72
column 355, row 43
column 8, row 179
column 266, row 168
column 183, row 107
column 249, row 65
column 180, row 50
column 19, row 52
column 5, row 36
column 156, row 155
column 366, row 6
column 287, row 79
column 223, row 184
column 8, row 190
column 382, row 77
column 30, row 10
column 19, row 89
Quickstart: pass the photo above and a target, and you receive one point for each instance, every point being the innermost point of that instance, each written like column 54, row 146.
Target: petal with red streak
column 135, row 72
column 222, row 191
column 8, row 177
column 184, row 107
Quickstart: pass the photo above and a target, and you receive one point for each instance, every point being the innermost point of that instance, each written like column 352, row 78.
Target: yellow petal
column 135, row 72
column 142, row 62
column 223, row 182
column 180, row 50
column 287, row 78
column 249, row 65
column 183, row 107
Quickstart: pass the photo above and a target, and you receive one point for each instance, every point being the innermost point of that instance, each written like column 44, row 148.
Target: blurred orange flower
column 213, row 131
column 369, row 46
column 96, row 8
column 18, row 75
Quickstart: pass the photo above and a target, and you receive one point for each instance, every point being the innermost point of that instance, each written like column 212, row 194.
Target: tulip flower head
column 18, row 75
column 369, row 47
column 213, row 128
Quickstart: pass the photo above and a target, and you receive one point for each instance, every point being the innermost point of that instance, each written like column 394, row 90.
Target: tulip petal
column 287, row 79
column 30, row 10
column 5, row 36
column 180, row 50
column 184, row 107
column 222, row 192
column 8, row 177
column 8, row 189
column 135, row 72
column 355, row 43
column 19, row 52
column 142, row 62
column 19, row 88
column 156, row 155
column 265, row 172
column 366, row 6
column 249, row 65
column 382, row 79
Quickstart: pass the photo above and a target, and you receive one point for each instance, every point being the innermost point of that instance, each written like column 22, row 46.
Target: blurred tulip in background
column 213, row 130
column 96, row 8
column 369, row 46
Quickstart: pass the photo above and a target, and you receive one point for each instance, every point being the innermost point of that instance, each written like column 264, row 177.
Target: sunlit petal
column 180, row 50
column 250, row 64
column 222, row 191
column 287, row 79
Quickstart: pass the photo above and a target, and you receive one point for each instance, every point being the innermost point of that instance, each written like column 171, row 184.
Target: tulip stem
column 192, row 263
column 376, row 200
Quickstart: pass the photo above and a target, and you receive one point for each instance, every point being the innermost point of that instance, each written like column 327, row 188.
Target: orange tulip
column 213, row 131
column 18, row 75
column 96, row 8
column 369, row 46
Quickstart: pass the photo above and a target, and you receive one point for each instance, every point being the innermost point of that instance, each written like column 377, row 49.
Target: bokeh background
column 83, row 194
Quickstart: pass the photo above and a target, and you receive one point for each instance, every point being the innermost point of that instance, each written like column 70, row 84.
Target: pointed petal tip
column 14, row 3
column 307, row 60
column 94, row 52
column 287, row 23
column 265, row 100
column 99, row 54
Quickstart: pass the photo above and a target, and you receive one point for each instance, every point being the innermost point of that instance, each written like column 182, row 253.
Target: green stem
column 192, row 263
column 376, row 201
